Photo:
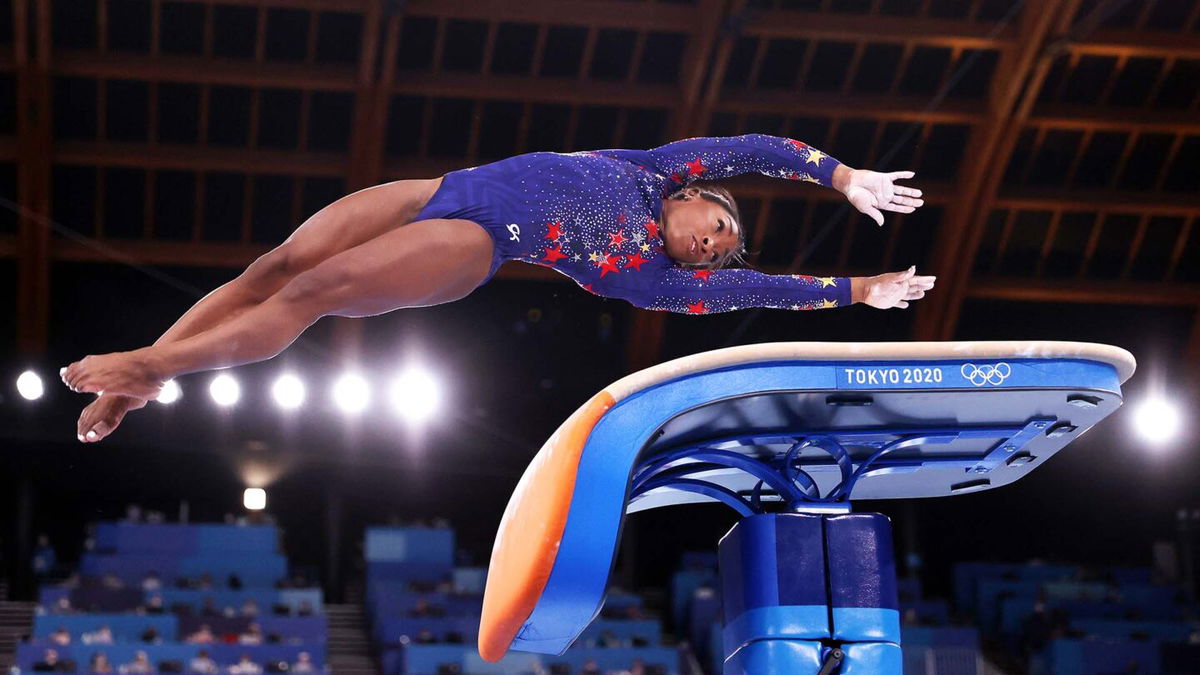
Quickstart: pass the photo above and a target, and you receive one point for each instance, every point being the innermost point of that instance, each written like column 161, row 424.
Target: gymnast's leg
column 427, row 262
column 348, row 222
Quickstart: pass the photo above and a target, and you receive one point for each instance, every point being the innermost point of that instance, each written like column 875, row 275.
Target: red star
column 652, row 228
column 617, row 238
column 608, row 264
column 635, row 261
column 675, row 177
column 588, row 288
column 553, row 255
column 554, row 231
column 702, row 274
column 695, row 168
column 621, row 218
column 792, row 175
column 797, row 144
column 697, row 308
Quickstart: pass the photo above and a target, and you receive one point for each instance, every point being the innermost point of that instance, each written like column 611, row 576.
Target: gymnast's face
column 697, row 231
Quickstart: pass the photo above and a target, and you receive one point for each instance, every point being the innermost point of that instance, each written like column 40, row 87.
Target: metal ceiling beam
column 1019, row 75
column 1097, row 292
column 876, row 28
column 34, row 129
column 590, row 13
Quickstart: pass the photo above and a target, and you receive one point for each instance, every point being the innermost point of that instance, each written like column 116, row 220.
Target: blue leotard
column 593, row 216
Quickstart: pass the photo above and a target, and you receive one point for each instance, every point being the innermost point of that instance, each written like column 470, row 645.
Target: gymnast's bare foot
column 104, row 415
column 130, row 373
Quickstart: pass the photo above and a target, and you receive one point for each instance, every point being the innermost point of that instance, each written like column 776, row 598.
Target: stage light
column 29, row 386
column 288, row 391
column 255, row 499
column 170, row 392
column 416, row 395
column 351, row 393
column 1157, row 420
column 225, row 390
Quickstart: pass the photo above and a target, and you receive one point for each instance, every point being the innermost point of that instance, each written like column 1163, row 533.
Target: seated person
column 61, row 637
column 100, row 664
column 151, row 582
column 209, row 608
column 250, row 608
column 234, row 582
column 245, row 666
column 150, row 636
column 63, row 606
column 425, row 637
column 203, row 664
column 306, row 608
column 154, row 605
column 202, row 636
column 206, row 582
column 303, row 664
column 101, row 636
column 253, row 635
column 50, row 663
column 112, row 582
column 590, row 668
column 139, row 666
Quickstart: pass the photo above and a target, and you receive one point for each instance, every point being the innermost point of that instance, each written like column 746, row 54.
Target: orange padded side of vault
column 531, row 530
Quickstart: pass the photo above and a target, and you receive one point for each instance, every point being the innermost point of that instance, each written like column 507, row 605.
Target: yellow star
column 826, row 282
column 645, row 248
column 815, row 156
column 808, row 178
column 828, row 304
column 593, row 257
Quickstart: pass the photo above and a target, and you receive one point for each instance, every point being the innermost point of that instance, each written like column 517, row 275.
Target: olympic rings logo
column 986, row 374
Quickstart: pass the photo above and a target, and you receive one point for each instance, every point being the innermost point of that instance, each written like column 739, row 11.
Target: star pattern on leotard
column 594, row 216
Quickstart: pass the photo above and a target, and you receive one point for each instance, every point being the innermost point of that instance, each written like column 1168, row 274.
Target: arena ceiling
column 1057, row 141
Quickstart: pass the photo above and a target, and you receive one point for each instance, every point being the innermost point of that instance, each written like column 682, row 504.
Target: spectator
column 253, row 635
column 150, row 636
column 209, row 608
column 63, row 606
column 203, row 664
column 203, row 636
column 152, row 582
column 425, row 637
column 112, row 581
column 61, row 637
column 50, row 663
column 100, row 664
column 306, row 608
column 234, row 582
column 140, row 665
column 154, row 605
column 206, row 582
column 250, row 608
column 101, row 636
column 245, row 666
column 590, row 668
column 303, row 664
column 44, row 558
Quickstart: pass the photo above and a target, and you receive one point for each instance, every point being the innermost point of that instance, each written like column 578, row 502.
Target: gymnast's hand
column 895, row 289
column 103, row 415
column 872, row 192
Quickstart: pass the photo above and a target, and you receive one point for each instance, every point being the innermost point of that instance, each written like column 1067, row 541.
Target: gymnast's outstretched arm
column 713, row 158
column 698, row 291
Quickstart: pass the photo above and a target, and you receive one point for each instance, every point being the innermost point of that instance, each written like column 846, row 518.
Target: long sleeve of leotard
column 697, row 291
column 721, row 157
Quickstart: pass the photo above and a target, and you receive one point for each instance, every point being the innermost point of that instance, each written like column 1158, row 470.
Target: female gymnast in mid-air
column 630, row 224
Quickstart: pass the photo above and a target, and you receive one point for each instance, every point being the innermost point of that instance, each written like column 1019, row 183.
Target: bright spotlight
column 255, row 499
column 416, row 395
column 225, row 390
column 30, row 386
column 1157, row 420
column 288, row 391
column 351, row 393
column 170, row 392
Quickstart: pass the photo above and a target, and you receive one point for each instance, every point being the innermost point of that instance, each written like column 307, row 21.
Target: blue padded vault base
column 796, row 586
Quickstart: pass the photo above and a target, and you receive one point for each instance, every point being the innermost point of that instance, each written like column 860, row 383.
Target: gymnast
column 641, row 225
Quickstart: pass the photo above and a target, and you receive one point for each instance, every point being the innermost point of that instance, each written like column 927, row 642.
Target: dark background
column 177, row 148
